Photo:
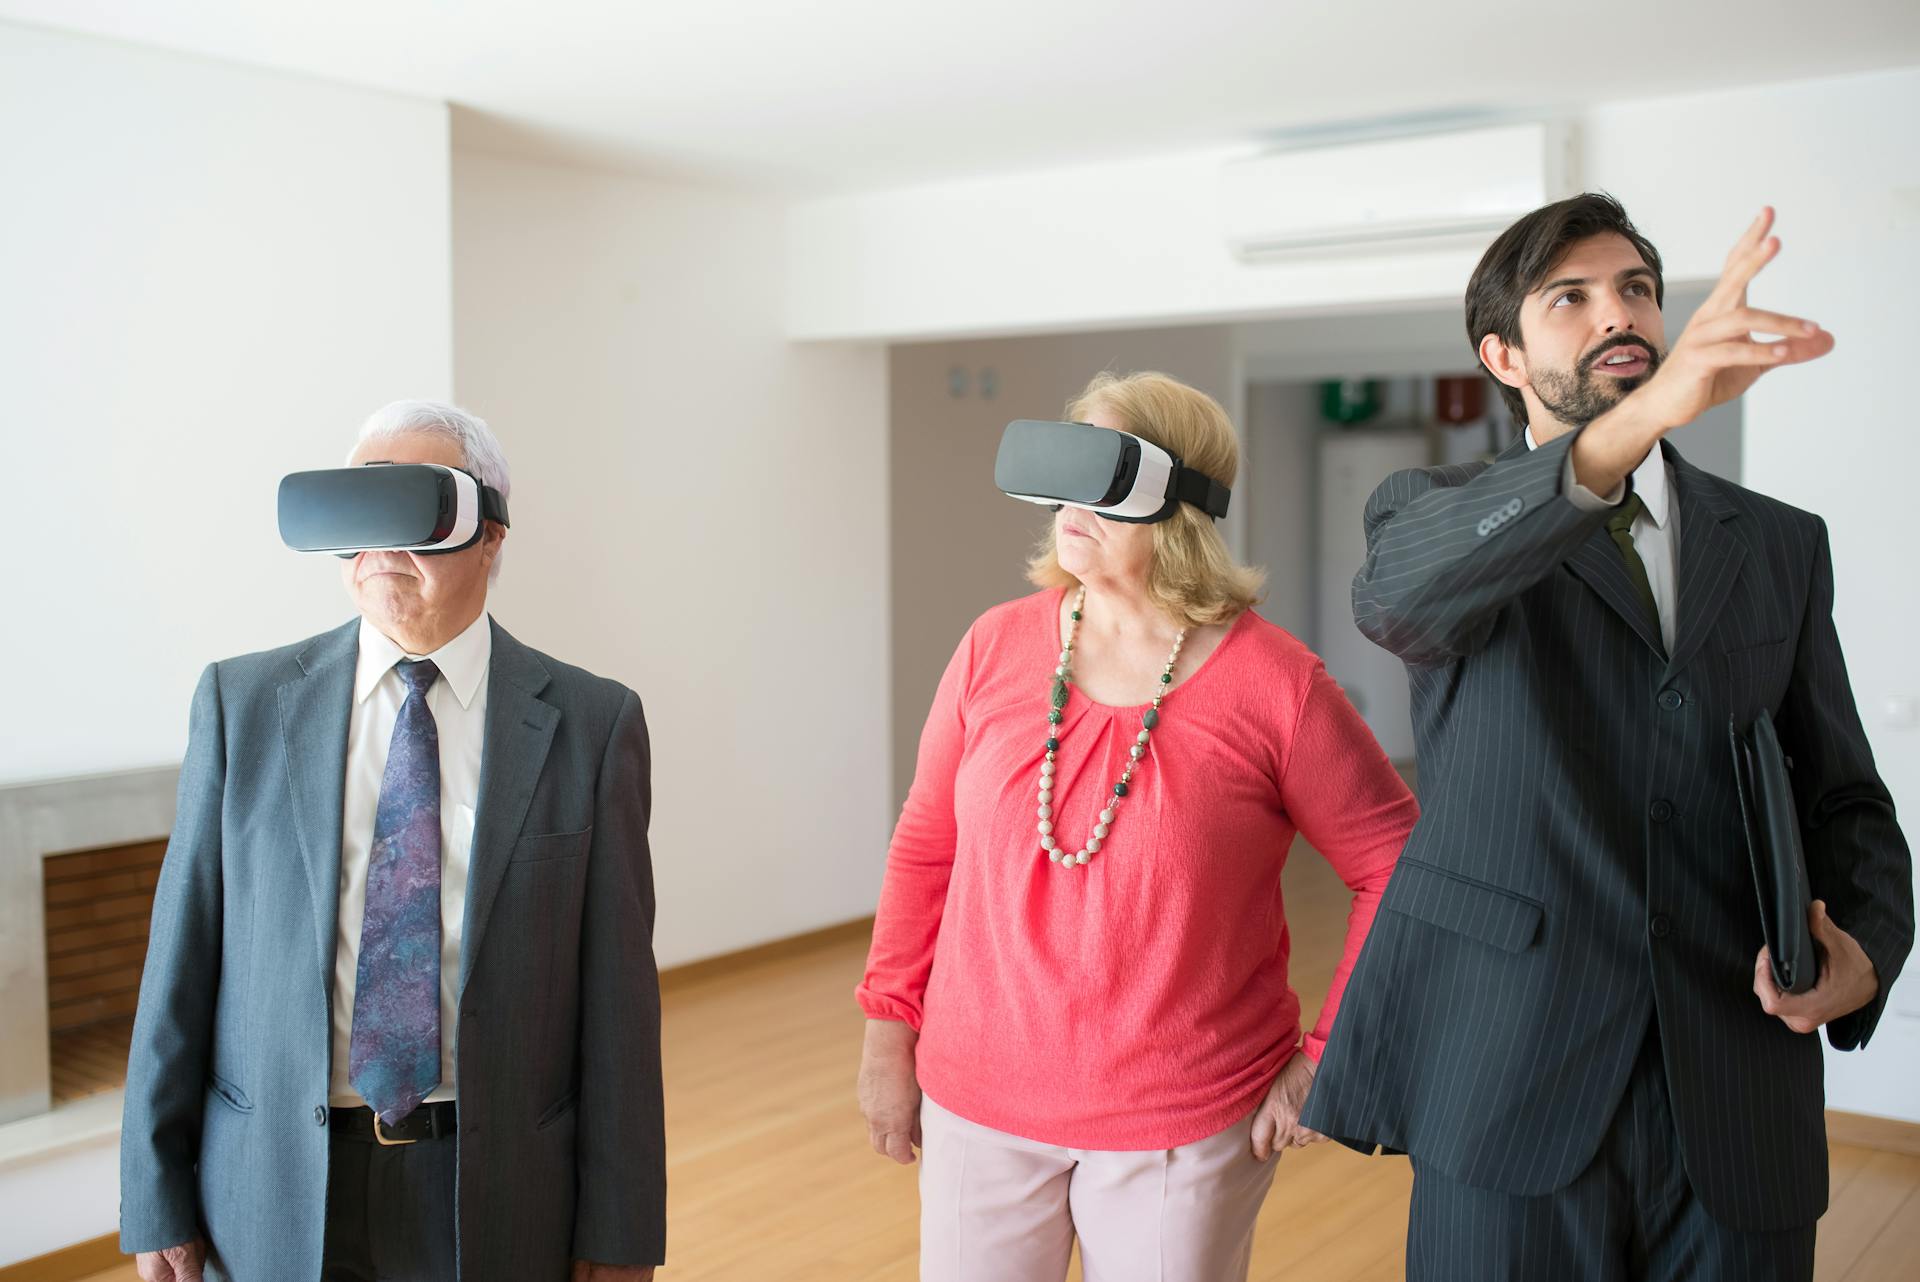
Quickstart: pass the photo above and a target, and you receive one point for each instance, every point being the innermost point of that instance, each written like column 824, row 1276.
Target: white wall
column 1135, row 243
column 211, row 274
column 700, row 511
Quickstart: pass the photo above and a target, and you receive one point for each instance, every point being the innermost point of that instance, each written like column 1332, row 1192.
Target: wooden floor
column 772, row 1180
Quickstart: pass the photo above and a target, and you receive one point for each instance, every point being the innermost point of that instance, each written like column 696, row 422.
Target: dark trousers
column 390, row 1211
column 1629, row 1216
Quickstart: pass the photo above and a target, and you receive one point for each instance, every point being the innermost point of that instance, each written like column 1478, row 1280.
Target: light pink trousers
column 998, row 1208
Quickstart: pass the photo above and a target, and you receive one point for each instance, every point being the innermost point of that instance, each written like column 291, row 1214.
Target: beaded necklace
column 1062, row 679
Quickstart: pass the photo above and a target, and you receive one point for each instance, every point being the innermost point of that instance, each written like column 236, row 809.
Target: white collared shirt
column 458, row 701
column 1656, row 532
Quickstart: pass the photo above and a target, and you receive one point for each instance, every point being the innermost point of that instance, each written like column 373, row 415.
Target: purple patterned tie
column 393, row 1057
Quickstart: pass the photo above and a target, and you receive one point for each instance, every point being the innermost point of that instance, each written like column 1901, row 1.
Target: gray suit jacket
column 1579, row 868
column 561, row 1149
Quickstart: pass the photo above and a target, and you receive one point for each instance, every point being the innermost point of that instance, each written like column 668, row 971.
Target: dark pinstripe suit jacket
column 1579, row 866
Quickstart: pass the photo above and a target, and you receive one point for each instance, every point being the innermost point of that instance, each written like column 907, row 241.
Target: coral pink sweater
column 1140, row 1001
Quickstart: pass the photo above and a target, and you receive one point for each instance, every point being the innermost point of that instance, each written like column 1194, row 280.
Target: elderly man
column 400, row 1017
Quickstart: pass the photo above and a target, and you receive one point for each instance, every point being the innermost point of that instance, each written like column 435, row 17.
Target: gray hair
column 480, row 450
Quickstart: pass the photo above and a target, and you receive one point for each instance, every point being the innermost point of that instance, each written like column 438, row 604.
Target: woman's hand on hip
column 1276, row 1123
column 889, row 1090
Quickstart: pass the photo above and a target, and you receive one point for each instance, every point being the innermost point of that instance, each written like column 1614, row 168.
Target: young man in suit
column 400, row 1017
column 1565, row 1013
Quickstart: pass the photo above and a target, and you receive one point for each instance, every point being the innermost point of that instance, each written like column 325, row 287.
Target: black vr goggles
column 1113, row 474
column 386, row 507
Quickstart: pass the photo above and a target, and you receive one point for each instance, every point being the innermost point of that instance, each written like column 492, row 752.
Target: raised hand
column 1718, row 356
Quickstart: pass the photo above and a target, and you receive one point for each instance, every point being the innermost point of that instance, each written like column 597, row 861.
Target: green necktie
column 1620, row 527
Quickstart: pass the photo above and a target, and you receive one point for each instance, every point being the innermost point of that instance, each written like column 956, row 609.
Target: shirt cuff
column 878, row 1006
column 1582, row 497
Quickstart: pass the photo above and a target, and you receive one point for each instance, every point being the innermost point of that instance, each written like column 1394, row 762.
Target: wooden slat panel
column 134, row 907
column 116, row 980
column 79, row 890
column 86, row 863
column 96, row 958
column 86, row 1010
column 90, row 1060
column 79, row 940
column 98, row 904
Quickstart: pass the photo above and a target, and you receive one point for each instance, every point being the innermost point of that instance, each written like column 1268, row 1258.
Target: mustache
column 1608, row 346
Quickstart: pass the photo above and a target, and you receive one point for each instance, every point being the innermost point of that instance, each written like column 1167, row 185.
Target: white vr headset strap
column 1151, row 482
column 466, row 512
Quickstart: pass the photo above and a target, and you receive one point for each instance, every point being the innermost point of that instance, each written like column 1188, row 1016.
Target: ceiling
column 849, row 94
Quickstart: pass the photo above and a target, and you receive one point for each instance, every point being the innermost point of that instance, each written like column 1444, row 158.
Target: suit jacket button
column 319, row 1114
column 1662, row 811
column 1672, row 700
column 1660, row 926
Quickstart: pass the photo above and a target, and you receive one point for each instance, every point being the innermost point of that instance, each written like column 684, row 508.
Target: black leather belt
column 436, row 1121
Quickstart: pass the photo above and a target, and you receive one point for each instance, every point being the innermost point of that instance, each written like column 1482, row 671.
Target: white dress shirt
column 1656, row 532
column 458, row 701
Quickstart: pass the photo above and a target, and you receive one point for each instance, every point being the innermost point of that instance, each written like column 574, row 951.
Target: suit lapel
column 1599, row 563
column 1710, row 556
column 315, row 709
column 519, row 732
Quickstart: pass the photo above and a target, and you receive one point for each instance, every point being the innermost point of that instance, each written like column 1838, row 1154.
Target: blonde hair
column 1194, row 578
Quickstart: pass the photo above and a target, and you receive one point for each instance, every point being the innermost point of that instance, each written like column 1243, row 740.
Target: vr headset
column 386, row 507
column 1112, row 474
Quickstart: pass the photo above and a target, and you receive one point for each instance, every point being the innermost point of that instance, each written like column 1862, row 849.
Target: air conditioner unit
column 1363, row 194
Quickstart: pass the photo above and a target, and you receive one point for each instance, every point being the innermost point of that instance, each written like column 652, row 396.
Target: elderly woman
column 1095, row 1001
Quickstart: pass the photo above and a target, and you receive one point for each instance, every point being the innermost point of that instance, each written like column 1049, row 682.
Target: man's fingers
column 1742, row 321
column 1763, row 986
column 1742, row 266
column 1801, row 1014
column 1741, row 353
column 899, row 1148
column 1755, row 233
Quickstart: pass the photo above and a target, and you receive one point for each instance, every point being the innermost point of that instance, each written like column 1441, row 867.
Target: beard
column 1579, row 395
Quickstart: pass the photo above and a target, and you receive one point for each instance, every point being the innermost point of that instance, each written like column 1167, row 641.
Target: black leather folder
column 1772, row 821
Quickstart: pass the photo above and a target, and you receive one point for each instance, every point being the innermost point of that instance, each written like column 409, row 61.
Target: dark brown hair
column 1516, row 264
